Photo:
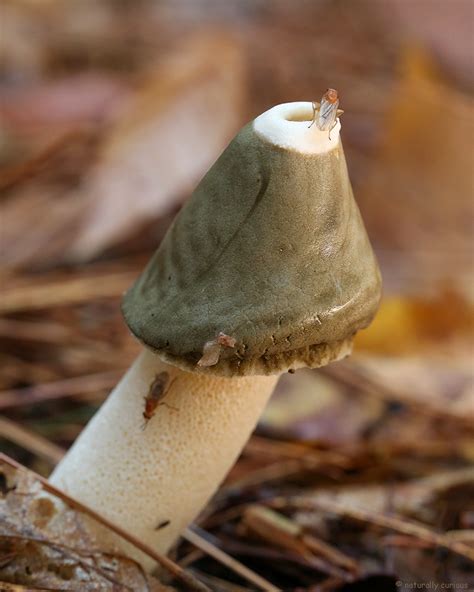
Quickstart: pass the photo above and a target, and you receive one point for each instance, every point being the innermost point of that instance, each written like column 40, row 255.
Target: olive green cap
column 270, row 251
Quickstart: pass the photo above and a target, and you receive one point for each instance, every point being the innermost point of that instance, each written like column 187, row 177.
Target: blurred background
column 112, row 111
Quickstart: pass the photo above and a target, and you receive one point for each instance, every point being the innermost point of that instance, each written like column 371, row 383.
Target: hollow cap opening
column 289, row 126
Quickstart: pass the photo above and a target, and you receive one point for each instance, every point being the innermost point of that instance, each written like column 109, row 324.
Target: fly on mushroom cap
column 270, row 251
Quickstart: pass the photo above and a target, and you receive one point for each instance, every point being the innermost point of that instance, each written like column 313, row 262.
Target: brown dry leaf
column 404, row 325
column 164, row 142
column 426, row 413
column 418, row 201
column 421, row 499
column 90, row 188
column 37, row 227
column 42, row 206
column 425, row 382
column 39, row 547
column 309, row 406
column 418, row 516
column 40, row 38
column 33, row 113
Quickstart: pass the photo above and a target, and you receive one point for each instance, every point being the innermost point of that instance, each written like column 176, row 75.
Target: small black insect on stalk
column 158, row 390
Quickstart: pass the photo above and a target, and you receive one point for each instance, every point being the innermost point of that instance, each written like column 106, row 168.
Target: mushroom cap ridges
column 270, row 250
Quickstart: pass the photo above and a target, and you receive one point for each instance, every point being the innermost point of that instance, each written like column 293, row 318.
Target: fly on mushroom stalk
column 158, row 390
column 325, row 114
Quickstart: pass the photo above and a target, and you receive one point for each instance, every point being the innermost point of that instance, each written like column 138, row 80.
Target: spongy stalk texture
column 165, row 473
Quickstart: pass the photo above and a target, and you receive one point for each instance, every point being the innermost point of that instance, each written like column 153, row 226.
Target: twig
column 466, row 535
column 278, row 449
column 30, row 441
column 44, row 332
column 274, row 472
column 406, row 542
column 38, row 162
column 166, row 563
column 401, row 525
column 199, row 538
column 7, row 587
column 16, row 369
column 191, row 557
column 68, row 387
column 285, row 533
column 211, row 520
column 7, row 559
column 278, row 558
column 65, row 291
column 218, row 583
column 299, row 458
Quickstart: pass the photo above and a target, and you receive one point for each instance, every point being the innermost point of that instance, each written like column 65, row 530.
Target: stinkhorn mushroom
column 266, row 269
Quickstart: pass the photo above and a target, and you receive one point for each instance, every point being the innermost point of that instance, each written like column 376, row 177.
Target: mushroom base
column 153, row 477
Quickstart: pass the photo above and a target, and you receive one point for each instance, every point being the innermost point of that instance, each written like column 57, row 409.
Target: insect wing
column 158, row 386
column 327, row 114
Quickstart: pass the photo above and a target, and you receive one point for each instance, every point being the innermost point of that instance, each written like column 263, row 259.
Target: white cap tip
column 289, row 126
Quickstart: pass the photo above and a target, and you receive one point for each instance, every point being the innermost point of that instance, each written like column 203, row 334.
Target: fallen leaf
column 417, row 202
column 164, row 141
column 49, row 549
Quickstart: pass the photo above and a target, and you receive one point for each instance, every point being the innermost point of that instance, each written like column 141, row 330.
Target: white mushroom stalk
column 266, row 269
column 153, row 478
